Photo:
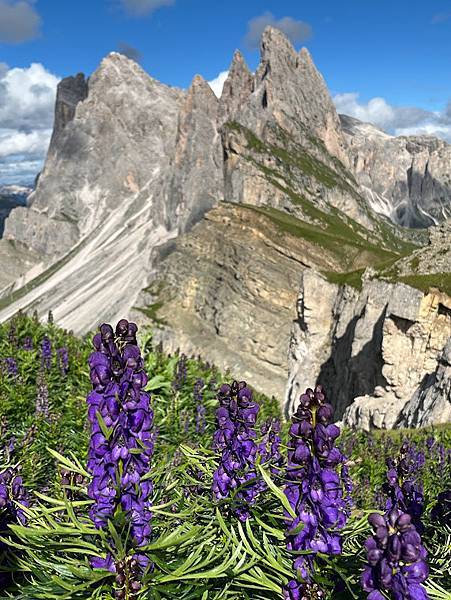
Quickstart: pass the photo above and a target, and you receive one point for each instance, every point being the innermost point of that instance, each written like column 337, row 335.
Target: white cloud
column 27, row 104
column 139, row 8
column 19, row 22
column 296, row 31
column 397, row 120
column 217, row 83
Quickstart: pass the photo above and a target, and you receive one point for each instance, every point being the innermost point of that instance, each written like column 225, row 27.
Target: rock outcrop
column 370, row 349
column 431, row 403
column 406, row 178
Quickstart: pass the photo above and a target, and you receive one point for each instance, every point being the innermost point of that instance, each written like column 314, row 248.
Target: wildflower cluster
column 46, row 353
column 121, row 443
column 269, row 446
column 403, row 488
column 12, row 491
column 235, row 441
column 395, row 557
column 314, row 488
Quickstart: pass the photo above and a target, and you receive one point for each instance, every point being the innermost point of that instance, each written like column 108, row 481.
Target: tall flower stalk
column 46, row 353
column 314, row 489
column 121, row 445
column 234, row 439
column 396, row 564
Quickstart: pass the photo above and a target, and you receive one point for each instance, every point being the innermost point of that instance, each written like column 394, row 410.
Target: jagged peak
column 275, row 46
column 199, row 86
column 238, row 62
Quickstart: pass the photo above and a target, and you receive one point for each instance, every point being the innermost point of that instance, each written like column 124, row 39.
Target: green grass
column 151, row 312
column 442, row 281
column 352, row 278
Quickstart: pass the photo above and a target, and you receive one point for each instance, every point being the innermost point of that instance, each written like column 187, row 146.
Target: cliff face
column 370, row 349
column 405, row 178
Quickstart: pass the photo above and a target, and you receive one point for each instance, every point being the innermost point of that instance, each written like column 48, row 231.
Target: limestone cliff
column 371, row 349
column 406, row 178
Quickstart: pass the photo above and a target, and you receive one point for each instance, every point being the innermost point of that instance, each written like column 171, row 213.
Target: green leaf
column 277, row 491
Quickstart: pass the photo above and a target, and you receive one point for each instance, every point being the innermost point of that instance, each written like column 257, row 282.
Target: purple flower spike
column 119, row 460
column 314, row 488
column 396, row 563
column 235, row 441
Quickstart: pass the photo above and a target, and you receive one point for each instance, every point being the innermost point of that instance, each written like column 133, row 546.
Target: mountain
column 408, row 179
column 11, row 196
column 203, row 215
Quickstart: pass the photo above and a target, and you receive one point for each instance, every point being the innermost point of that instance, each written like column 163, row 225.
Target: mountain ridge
column 142, row 180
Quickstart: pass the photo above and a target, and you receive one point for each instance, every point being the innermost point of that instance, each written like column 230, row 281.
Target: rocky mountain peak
column 289, row 89
column 237, row 88
column 199, row 88
column 70, row 91
column 276, row 48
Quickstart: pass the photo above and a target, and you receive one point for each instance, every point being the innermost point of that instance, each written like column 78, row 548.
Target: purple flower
column 314, row 489
column 119, row 460
column 234, row 439
column 62, row 358
column 46, row 353
column 395, row 558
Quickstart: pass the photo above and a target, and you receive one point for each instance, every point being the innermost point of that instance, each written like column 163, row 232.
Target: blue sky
column 384, row 61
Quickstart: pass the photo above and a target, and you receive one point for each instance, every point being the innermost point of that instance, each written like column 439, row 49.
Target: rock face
column 405, row 178
column 431, row 403
column 370, row 349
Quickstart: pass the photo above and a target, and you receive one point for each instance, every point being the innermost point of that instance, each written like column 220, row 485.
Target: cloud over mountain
column 297, row 31
column 397, row 120
column 27, row 99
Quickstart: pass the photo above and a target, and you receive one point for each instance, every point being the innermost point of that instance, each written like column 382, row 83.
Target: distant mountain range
column 10, row 197
column 203, row 215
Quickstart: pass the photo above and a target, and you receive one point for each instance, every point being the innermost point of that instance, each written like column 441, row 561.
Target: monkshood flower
column 314, row 488
column 234, row 440
column 50, row 317
column 269, row 446
column 180, row 373
column 42, row 397
column 28, row 343
column 396, row 562
column 11, row 491
column 441, row 512
column 119, row 460
column 403, row 488
column 46, row 353
column 11, row 367
column 62, row 358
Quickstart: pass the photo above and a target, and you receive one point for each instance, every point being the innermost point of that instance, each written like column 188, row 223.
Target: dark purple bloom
column 314, row 489
column 119, row 460
column 46, row 353
column 11, row 367
column 395, row 558
column 235, row 441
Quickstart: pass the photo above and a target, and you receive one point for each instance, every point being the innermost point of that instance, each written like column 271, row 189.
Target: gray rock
column 370, row 350
column 431, row 403
column 405, row 178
